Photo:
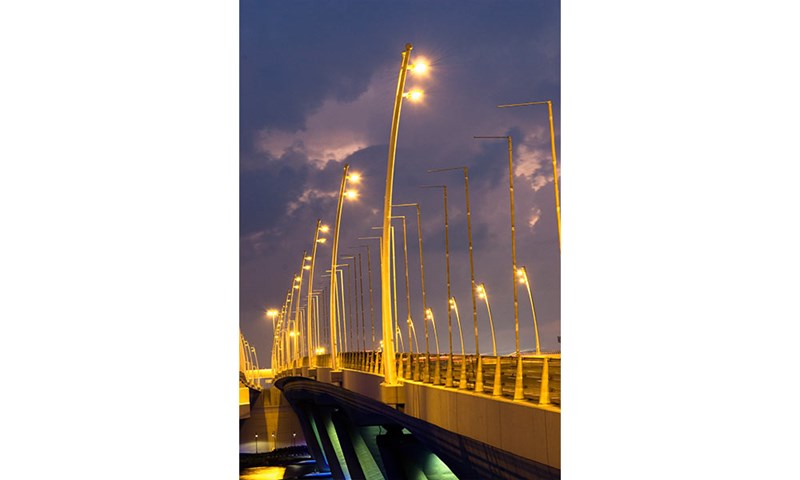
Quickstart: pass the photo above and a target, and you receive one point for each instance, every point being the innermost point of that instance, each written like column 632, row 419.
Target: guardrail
column 541, row 374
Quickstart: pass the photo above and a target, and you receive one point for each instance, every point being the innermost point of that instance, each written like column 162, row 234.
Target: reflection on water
column 262, row 473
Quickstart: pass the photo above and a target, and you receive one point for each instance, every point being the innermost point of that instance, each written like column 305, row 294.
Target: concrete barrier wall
column 521, row 428
column 525, row 430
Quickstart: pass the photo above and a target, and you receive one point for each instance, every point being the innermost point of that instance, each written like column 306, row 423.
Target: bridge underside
column 354, row 436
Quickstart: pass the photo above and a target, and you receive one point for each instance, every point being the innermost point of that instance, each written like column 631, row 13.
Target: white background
column 119, row 257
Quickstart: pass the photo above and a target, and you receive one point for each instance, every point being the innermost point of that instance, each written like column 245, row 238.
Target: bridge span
column 425, row 429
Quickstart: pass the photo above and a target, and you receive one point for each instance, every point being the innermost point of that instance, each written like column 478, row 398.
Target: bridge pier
column 330, row 442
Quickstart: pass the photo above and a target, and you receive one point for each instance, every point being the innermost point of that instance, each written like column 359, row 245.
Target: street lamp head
column 324, row 228
column 307, row 267
column 322, row 240
column 414, row 95
column 307, row 257
column 420, row 67
column 272, row 313
column 297, row 278
column 354, row 177
column 429, row 314
column 481, row 291
column 351, row 194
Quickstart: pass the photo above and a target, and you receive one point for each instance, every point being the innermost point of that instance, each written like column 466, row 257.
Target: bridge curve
column 355, row 436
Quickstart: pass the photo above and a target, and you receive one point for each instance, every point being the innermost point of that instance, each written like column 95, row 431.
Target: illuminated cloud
column 308, row 196
column 533, row 219
column 337, row 130
column 532, row 161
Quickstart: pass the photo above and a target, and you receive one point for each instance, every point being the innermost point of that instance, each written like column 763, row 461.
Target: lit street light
column 462, row 382
column 518, row 385
column 429, row 316
column 496, row 388
column 334, row 255
column 523, row 278
column 319, row 228
column 390, row 374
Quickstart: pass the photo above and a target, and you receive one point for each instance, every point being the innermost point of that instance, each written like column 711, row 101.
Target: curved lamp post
column 311, row 354
column 432, row 319
column 522, row 273
column 390, row 374
column 496, row 388
column 334, row 255
column 518, row 384
column 462, row 382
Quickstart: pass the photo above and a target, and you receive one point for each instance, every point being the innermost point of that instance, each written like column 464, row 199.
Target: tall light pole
column 426, row 372
column 496, row 388
column 479, row 367
column 390, row 373
column 324, row 229
column 432, row 319
column 553, row 155
column 518, row 385
column 334, row 255
column 523, row 278
column 449, row 375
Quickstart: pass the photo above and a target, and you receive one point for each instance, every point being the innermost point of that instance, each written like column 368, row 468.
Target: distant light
column 354, row 177
column 297, row 278
column 351, row 194
column 324, row 228
column 322, row 240
column 272, row 312
column 308, row 257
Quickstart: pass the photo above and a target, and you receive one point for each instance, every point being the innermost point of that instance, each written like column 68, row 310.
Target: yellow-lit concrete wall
column 520, row 428
column 269, row 414
column 523, row 429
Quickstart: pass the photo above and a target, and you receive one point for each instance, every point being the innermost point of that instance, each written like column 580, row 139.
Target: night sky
column 317, row 84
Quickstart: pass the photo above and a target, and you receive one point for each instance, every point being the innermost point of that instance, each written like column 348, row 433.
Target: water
column 293, row 471
column 262, row 473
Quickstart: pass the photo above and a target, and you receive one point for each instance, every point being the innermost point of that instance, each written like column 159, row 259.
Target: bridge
column 356, row 426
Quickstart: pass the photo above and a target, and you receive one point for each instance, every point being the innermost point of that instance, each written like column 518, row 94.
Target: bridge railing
column 541, row 374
